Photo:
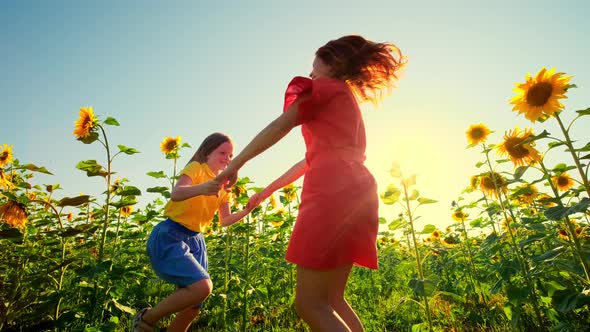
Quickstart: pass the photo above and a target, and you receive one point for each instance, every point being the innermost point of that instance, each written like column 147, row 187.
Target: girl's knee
column 204, row 287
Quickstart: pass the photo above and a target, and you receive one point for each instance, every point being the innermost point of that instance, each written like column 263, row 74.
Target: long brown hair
column 209, row 144
column 369, row 68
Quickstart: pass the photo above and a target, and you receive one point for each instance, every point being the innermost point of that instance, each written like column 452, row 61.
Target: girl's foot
column 138, row 324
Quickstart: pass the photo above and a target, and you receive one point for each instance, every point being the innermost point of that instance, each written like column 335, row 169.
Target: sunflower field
column 517, row 257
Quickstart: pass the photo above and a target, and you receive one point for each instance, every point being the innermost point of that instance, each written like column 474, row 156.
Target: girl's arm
column 288, row 177
column 227, row 218
column 266, row 138
column 184, row 188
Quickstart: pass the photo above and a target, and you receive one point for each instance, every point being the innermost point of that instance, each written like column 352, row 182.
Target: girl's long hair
column 369, row 68
column 209, row 144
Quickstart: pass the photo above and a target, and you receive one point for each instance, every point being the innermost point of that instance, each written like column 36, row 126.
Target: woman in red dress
column 337, row 222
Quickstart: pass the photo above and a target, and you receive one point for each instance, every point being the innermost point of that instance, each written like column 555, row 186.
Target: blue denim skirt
column 177, row 254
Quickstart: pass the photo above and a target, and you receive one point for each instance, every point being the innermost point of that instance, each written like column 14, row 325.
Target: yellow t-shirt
column 196, row 213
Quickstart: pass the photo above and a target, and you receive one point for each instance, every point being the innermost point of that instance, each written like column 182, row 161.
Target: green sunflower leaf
column 391, row 195
column 91, row 167
column 127, row 150
column 428, row 229
column 395, row 171
column 559, row 212
column 125, row 201
column 157, row 175
column 34, row 168
column 129, row 191
column 423, row 200
column 111, row 121
column 396, row 224
column 584, row 112
column 519, row 172
column 93, row 136
column 74, row 201
column 555, row 144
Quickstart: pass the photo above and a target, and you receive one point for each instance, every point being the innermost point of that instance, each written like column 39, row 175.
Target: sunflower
column 449, row 242
column 563, row 181
column 290, row 192
column 545, row 200
column 14, row 214
column 85, row 123
column 126, row 211
column 5, row 181
column 277, row 223
column 528, row 194
column 70, row 217
column 520, row 153
column 489, row 181
column 477, row 133
column 538, row 97
column 459, row 215
column 272, row 202
column 435, row 234
column 170, row 144
column 562, row 233
column 5, row 155
column 474, row 182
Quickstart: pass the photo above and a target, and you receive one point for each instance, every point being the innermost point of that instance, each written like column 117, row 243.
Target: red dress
column 338, row 217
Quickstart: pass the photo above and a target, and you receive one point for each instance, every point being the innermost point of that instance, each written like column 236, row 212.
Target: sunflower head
column 126, row 211
column 491, row 182
column 5, row 155
column 272, row 202
column 521, row 153
column 527, row 194
column 290, row 192
column 459, row 216
column 562, row 182
column 435, row 234
column 170, row 145
column 277, row 223
column 14, row 214
column 477, row 133
column 474, row 182
column 562, row 233
column 5, row 180
column 545, row 200
column 86, row 123
column 538, row 97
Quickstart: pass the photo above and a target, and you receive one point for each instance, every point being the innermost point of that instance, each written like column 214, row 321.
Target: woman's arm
column 227, row 218
column 185, row 190
column 294, row 173
column 266, row 138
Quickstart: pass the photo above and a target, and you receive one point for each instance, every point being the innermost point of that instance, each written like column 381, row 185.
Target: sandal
column 138, row 324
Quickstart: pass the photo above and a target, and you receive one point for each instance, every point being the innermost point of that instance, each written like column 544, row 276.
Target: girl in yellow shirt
column 176, row 246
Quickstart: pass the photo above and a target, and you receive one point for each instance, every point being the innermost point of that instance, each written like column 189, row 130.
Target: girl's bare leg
column 181, row 299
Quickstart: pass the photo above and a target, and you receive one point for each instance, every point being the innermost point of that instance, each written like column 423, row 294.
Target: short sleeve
column 224, row 197
column 313, row 94
column 192, row 170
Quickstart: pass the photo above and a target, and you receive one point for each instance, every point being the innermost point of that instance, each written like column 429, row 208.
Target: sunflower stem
column 105, row 223
column 521, row 261
column 417, row 253
column 570, row 226
column 570, row 146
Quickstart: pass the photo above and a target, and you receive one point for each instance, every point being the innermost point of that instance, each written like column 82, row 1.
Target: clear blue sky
column 189, row 68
